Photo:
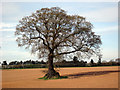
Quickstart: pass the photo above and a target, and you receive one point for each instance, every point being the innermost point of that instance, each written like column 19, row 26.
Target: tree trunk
column 51, row 72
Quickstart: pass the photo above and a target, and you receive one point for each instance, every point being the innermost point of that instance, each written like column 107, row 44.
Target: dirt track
column 82, row 77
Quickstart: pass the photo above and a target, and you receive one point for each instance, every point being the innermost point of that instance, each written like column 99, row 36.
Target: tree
column 64, row 61
column 92, row 62
column 51, row 33
column 117, row 60
column 42, row 62
column 82, row 63
column 99, row 61
column 4, row 63
column 75, row 59
column 12, row 63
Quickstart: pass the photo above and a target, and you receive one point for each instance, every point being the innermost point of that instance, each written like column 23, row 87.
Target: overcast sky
column 103, row 16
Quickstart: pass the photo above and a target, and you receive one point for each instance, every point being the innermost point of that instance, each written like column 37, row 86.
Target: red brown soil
column 81, row 77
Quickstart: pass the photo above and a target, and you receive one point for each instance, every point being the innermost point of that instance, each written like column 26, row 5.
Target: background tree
column 12, row 63
column 51, row 33
column 4, row 63
column 117, row 60
column 99, row 61
column 64, row 61
column 92, row 62
column 75, row 59
column 42, row 62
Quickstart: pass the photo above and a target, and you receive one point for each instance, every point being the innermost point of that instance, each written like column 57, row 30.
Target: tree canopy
column 52, row 29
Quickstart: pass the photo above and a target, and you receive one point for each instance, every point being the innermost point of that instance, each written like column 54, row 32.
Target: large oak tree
column 52, row 33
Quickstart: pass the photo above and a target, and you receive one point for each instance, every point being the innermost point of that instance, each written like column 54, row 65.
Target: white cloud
column 109, row 54
column 0, row 12
column 7, row 39
column 7, row 25
column 11, row 12
column 106, row 29
column 7, row 29
column 10, row 9
column 14, row 52
column 103, row 15
column 12, row 55
column 0, row 43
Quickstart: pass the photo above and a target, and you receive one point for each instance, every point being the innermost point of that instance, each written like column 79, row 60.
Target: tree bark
column 51, row 72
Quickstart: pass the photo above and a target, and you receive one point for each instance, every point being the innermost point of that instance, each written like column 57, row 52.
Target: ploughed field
column 78, row 77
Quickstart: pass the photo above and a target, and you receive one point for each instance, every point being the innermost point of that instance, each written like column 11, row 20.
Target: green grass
column 61, row 77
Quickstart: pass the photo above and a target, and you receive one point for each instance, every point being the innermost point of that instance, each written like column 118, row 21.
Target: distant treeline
column 64, row 63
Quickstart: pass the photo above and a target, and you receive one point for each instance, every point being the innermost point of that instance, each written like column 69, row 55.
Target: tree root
column 52, row 74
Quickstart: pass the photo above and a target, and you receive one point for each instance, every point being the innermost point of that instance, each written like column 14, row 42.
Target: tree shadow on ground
column 94, row 73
